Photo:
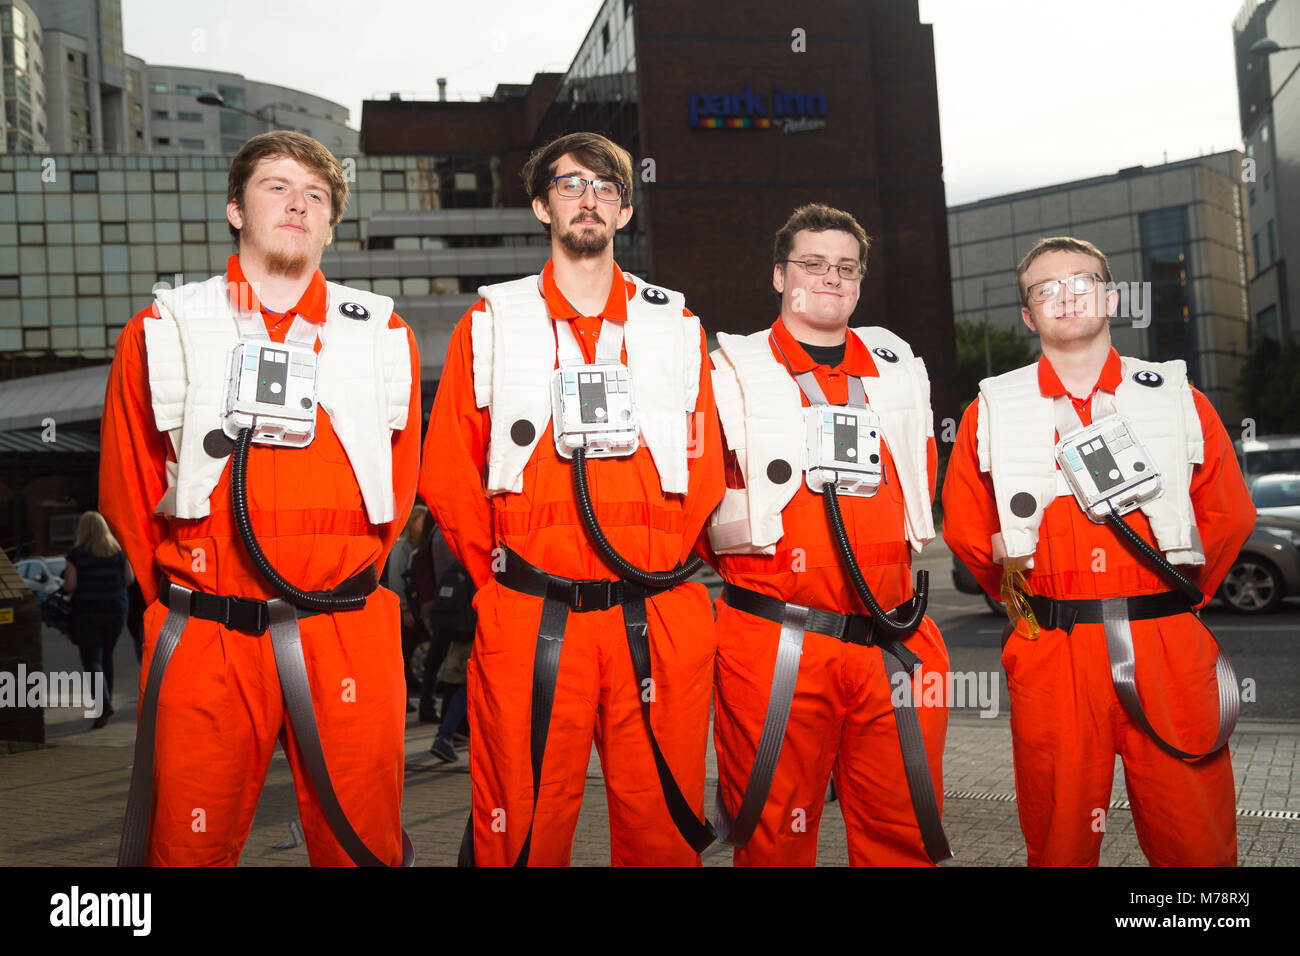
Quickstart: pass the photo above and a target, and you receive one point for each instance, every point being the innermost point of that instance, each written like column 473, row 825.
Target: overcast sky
column 1031, row 92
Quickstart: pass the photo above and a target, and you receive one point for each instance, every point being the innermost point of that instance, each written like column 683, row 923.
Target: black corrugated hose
column 878, row 617
column 312, row 600
column 1171, row 573
column 650, row 579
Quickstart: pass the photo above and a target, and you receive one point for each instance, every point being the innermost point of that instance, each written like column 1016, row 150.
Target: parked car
column 43, row 575
column 1268, row 454
column 1276, row 495
column 1267, row 569
column 965, row 582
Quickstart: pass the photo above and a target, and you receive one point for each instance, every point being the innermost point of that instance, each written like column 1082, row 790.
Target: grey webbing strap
column 546, row 669
column 1123, row 674
column 737, row 831
column 292, row 667
column 915, row 764
column 139, row 802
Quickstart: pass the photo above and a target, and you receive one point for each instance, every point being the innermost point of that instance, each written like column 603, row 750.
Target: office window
column 161, row 114
column 85, row 182
column 184, row 90
column 162, row 140
column 1266, row 323
column 1254, row 242
column 158, row 88
column 394, row 180
column 1252, row 197
column 190, row 117
column 112, row 232
column 191, row 143
column 8, row 287
column 1272, row 242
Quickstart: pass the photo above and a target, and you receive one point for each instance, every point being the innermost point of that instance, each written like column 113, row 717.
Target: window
column 394, row 180
column 158, row 88
column 162, row 140
column 1272, row 242
column 161, row 114
column 191, row 143
column 112, row 232
column 1268, row 178
column 8, row 287
column 1266, row 323
column 1263, row 133
column 184, row 90
column 1252, row 197
column 31, row 234
column 349, row 229
column 85, row 182
column 1254, row 242
column 190, row 117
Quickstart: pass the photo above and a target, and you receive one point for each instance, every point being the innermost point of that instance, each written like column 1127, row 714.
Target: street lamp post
column 209, row 98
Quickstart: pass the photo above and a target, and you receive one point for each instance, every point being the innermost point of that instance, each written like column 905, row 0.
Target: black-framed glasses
column 819, row 267
column 1081, row 283
column 572, row 187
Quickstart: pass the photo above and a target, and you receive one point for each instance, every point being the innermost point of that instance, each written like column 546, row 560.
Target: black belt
column 252, row 616
column 850, row 628
column 899, row 662
column 1052, row 614
column 560, row 596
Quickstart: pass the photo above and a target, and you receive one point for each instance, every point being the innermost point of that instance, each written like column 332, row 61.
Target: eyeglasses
column 572, row 187
column 1081, row 283
column 819, row 267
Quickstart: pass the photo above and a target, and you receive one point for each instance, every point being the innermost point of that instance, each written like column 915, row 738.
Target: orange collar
column 559, row 308
column 857, row 360
column 311, row 306
column 1049, row 383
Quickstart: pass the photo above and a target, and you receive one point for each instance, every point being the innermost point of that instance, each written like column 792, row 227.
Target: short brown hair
column 818, row 217
column 601, row 155
column 297, row 146
column 1058, row 244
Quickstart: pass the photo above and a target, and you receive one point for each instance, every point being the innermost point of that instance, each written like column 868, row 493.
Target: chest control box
column 1107, row 468
column 843, row 448
column 592, row 408
column 271, row 389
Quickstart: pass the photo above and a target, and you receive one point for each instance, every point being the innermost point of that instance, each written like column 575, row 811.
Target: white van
column 1268, row 454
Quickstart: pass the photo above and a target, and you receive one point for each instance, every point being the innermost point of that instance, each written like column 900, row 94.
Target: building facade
column 1269, row 102
column 1180, row 226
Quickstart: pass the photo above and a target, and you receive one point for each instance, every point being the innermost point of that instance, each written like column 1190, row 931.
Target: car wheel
column 1252, row 586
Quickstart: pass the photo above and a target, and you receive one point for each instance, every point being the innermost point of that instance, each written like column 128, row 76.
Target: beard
column 281, row 263
column 585, row 241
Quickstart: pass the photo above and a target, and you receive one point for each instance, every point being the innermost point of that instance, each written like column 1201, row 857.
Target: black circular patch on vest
column 217, row 444
column 1139, row 466
column 305, row 402
column 1023, row 504
column 522, row 433
column 354, row 310
column 779, row 471
column 654, row 296
column 886, row 354
column 1148, row 378
column 875, row 459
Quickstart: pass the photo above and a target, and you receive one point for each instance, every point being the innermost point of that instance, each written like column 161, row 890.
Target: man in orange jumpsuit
column 795, row 636
column 505, row 497
column 323, row 522
column 1097, row 607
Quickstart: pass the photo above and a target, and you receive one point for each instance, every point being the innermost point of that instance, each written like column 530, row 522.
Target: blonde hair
column 414, row 529
column 93, row 535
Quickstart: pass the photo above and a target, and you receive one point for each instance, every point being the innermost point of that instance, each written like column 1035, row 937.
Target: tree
column 1268, row 387
column 1007, row 348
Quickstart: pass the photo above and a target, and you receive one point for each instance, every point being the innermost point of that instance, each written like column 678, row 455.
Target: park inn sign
column 749, row 109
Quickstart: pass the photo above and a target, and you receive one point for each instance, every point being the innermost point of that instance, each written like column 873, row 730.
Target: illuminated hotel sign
column 793, row 112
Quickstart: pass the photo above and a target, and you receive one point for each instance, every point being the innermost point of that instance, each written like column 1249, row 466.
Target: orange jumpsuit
column 841, row 717
column 597, row 692
column 1066, row 722
column 221, row 708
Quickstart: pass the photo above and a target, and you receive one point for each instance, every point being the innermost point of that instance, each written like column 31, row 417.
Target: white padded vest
column 364, row 385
